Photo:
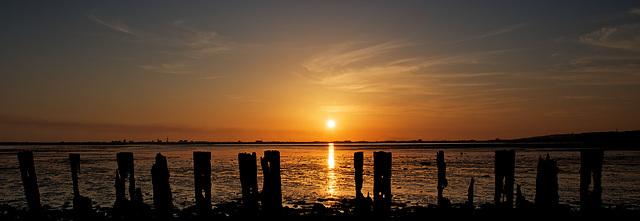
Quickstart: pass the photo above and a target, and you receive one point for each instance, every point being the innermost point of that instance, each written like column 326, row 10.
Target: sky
column 280, row 70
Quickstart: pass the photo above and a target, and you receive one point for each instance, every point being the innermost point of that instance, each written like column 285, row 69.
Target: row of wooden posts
column 271, row 195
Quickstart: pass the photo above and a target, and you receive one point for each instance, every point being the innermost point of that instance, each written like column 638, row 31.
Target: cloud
column 115, row 25
column 500, row 31
column 379, row 68
column 348, row 53
column 213, row 77
column 183, row 44
column 169, row 68
column 615, row 66
column 442, row 85
column 199, row 42
column 624, row 37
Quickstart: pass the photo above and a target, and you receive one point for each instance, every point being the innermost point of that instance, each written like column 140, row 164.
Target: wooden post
column 521, row 202
column 249, row 181
column 74, row 162
column 505, row 161
column 162, row 196
column 29, row 180
column 470, row 194
column 363, row 205
column 358, row 162
column 442, row 180
column 81, row 204
column 547, row 183
column 591, row 165
column 202, row 181
column 125, row 169
column 272, row 189
column 382, row 183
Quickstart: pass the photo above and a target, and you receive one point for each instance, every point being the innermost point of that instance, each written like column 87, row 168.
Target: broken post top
column 247, row 154
column 201, row 154
column 442, row 170
column 505, row 153
column 160, row 158
column 271, row 161
column 505, row 160
column 358, row 155
column 382, row 154
column 125, row 161
column 272, row 153
column 74, row 158
column 440, row 159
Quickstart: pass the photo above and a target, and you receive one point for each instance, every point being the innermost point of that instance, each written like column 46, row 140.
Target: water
column 313, row 172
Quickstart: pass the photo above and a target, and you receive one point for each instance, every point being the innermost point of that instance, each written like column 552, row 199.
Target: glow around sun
column 331, row 124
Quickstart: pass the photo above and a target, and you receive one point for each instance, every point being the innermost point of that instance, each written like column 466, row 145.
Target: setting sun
column 331, row 124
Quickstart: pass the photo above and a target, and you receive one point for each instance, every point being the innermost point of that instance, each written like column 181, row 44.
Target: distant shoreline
column 624, row 139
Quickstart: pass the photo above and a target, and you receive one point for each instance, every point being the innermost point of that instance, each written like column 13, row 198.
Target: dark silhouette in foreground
column 162, row 197
column 591, row 166
column 249, row 183
column 81, row 204
column 382, row 183
column 268, row 203
column 202, row 183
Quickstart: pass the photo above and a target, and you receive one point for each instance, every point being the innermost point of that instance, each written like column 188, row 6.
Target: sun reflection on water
column 331, row 160
column 331, row 175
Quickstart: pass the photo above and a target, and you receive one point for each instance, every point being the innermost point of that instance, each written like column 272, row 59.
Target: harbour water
column 314, row 173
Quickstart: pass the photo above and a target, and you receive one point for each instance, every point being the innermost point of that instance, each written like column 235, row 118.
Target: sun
column 331, row 124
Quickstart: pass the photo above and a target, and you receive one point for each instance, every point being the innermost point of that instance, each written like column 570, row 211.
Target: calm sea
column 313, row 173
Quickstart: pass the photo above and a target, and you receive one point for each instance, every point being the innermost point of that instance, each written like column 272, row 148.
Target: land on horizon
column 629, row 138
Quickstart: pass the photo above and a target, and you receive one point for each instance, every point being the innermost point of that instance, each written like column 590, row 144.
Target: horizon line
column 158, row 141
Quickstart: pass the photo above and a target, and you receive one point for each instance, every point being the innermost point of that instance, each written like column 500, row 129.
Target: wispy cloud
column 183, row 44
column 348, row 53
column 214, row 77
column 115, row 25
column 615, row 63
column 199, row 42
column 438, row 83
column 625, row 37
column 500, row 31
column 373, row 68
column 244, row 99
column 169, row 68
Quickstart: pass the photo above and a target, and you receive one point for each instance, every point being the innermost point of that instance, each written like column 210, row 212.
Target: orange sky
column 278, row 71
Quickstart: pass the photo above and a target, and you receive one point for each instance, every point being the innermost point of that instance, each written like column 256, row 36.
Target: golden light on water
column 331, row 175
column 331, row 162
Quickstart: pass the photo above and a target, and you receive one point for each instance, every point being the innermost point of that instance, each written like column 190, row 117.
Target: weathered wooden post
column 162, row 196
column 547, row 183
column 470, row 194
column 591, row 165
column 271, row 189
column 363, row 205
column 74, row 162
column 358, row 162
column 29, row 180
column 521, row 202
column 202, row 181
column 125, row 169
column 81, row 204
column 249, row 181
column 442, row 180
column 382, row 183
column 505, row 161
